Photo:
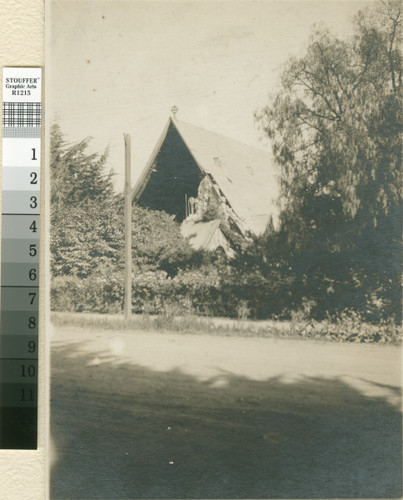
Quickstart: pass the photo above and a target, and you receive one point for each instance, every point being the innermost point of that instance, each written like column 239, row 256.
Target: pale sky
column 118, row 66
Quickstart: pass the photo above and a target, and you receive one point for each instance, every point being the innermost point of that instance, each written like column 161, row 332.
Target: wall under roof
column 174, row 175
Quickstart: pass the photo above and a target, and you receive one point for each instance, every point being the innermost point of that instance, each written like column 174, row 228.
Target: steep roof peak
column 246, row 175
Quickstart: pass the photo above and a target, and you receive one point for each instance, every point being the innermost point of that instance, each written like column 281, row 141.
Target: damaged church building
column 220, row 190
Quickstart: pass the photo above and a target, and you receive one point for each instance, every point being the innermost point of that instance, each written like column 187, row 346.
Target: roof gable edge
column 143, row 179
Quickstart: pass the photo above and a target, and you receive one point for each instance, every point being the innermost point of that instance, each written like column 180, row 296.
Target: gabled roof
column 245, row 175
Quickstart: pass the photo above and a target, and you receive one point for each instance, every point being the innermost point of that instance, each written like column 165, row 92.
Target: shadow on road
column 130, row 432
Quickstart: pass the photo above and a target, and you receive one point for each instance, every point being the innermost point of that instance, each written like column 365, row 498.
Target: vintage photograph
column 225, row 242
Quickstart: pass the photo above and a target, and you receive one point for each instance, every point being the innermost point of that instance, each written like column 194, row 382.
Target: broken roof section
column 245, row 175
column 206, row 235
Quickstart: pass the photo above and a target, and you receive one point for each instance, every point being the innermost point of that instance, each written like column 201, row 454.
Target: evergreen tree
column 85, row 227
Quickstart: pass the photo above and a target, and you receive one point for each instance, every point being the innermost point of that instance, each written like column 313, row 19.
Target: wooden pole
column 128, row 230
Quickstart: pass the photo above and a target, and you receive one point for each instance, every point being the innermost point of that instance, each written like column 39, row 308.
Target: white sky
column 118, row 66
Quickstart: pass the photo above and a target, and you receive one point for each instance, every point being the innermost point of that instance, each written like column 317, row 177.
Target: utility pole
column 128, row 230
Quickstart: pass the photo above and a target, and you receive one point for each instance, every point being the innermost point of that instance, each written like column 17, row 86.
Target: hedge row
column 200, row 292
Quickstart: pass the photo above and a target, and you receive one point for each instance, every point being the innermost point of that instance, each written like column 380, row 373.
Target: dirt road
column 151, row 415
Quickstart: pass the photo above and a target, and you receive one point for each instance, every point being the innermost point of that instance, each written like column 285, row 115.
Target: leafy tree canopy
column 336, row 123
column 336, row 130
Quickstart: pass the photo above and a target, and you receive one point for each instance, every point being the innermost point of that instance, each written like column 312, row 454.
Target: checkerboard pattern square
column 21, row 114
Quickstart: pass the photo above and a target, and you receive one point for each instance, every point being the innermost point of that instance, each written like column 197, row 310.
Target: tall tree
column 85, row 227
column 336, row 129
column 77, row 177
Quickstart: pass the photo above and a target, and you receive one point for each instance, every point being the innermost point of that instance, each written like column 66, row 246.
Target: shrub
column 96, row 293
